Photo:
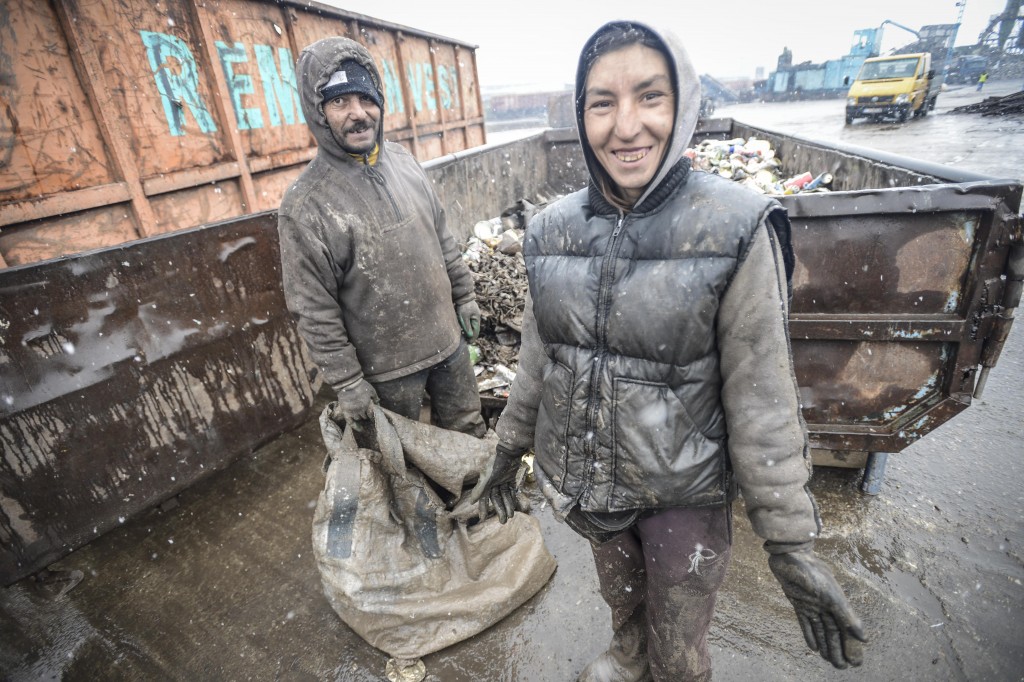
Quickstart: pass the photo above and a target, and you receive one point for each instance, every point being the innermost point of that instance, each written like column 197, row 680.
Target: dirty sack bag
column 396, row 563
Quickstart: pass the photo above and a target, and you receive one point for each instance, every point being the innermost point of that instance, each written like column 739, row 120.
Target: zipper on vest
column 603, row 305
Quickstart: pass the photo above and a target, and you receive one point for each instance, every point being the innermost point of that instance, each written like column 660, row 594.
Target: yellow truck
column 894, row 86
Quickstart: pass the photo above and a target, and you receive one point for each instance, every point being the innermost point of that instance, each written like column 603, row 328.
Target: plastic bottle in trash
column 798, row 181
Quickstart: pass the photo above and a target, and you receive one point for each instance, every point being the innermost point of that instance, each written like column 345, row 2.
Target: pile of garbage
column 753, row 163
column 495, row 256
column 501, row 294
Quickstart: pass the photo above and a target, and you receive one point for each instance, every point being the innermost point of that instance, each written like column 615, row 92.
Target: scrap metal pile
column 753, row 163
column 501, row 295
column 494, row 255
column 994, row 106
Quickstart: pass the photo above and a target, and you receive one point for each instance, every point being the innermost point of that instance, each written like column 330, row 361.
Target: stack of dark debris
column 994, row 106
column 495, row 255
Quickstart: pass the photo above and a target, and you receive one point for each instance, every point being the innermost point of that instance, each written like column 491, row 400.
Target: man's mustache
column 358, row 127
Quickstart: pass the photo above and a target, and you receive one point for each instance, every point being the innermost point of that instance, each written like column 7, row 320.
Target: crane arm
column 889, row 21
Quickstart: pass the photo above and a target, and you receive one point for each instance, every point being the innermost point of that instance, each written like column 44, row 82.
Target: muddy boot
column 625, row 660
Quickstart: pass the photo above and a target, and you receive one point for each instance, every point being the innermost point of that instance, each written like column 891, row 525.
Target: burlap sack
column 396, row 562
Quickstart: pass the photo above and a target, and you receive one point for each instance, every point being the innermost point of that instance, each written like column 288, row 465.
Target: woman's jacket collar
column 675, row 178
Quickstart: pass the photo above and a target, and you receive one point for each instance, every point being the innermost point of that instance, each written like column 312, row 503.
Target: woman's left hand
column 828, row 622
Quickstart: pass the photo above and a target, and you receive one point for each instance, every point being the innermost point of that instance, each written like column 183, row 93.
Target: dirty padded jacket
column 369, row 267
column 655, row 365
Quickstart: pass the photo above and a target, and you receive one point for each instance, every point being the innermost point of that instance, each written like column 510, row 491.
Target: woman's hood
column 686, row 85
column 316, row 65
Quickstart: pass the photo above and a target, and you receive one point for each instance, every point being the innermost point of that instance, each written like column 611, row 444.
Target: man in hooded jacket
column 373, row 276
column 655, row 375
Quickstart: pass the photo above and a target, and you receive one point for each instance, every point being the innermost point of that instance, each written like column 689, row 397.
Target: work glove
column 469, row 319
column 829, row 624
column 499, row 483
column 355, row 403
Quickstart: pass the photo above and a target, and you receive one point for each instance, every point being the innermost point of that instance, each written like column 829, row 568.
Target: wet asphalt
column 220, row 584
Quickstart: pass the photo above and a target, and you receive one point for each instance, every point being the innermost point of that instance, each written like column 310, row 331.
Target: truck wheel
column 849, row 118
column 904, row 113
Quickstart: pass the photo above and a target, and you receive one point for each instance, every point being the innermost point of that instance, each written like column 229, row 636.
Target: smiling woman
column 629, row 108
column 670, row 384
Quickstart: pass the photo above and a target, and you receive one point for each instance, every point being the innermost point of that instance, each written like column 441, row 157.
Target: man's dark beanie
column 351, row 77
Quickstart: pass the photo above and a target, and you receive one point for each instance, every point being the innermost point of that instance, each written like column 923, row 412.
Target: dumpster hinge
column 1001, row 314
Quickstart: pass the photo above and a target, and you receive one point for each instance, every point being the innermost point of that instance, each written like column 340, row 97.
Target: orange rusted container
column 127, row 120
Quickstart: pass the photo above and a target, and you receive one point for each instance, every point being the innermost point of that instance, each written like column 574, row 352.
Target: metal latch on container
column 1002, row 314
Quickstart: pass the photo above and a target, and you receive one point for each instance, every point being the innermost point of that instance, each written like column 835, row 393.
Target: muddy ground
column 223, row 585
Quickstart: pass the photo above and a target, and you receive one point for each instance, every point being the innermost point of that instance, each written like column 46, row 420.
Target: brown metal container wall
column 253, row 46
column 868, row 382
column 40, row 239
column 900, row 275
column 269, row 187
column 130, row 373
column 51, row 141
column 479, row 184
column 144, row 107
column 893, row 298
column 910, row 264
column 195, row 206
column 154, row 82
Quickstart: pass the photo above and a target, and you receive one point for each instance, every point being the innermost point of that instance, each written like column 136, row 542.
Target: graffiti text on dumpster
column 177, row 81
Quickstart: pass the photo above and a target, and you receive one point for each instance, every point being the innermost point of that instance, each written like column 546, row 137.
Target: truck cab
column 966, row 69
column 895, row 86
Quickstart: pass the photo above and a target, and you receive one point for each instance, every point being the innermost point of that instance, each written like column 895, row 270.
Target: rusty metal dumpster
column 904, row 290
column 129, row 372
column 121, row 120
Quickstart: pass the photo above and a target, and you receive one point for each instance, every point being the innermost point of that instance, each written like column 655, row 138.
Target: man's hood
column 316, row 64
column 686, row 85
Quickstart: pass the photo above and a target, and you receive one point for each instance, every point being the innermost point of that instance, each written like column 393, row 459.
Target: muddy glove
column 355, row 403
column 469, row 319
column 499, row 483
column 829, row 624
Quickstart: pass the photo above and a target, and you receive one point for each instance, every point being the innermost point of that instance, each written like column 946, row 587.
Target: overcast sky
column 537, row 42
